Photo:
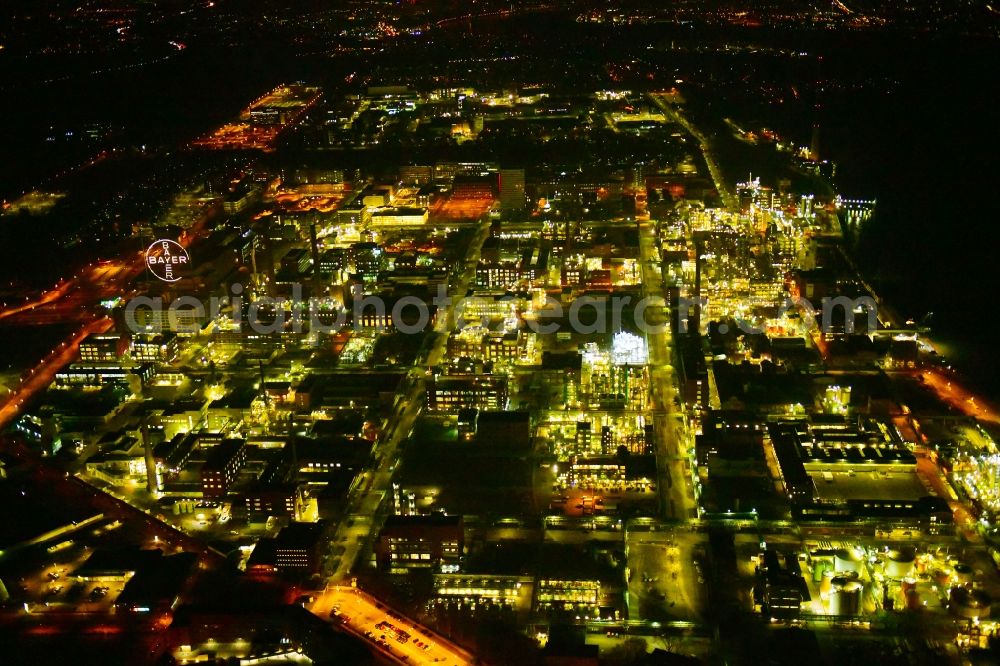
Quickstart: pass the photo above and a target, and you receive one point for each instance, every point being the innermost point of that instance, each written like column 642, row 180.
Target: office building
column 222, row 464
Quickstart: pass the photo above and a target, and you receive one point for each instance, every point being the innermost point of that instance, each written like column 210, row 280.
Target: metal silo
column 848, row 559
column 825, row 584
column 961, row 574
column 969, row 602
column 845, row 597
column 899, row 563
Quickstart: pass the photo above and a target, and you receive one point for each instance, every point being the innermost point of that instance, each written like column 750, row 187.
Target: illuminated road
column 360, row 527
column 446, row 323
column 50, row 296
column 664, row 584
column 928, row 470
column 663, row 101
column 468, row 19
column 677, row 499
column 360, row 613
column 75, row 299
column 355, row 533
column 63, row 488
column 43, row 373
column 959, row 397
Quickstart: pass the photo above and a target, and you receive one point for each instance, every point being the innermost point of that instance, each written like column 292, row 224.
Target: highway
column 50, row 296
column 74, row 299
column 44, row 373
column 364, row 616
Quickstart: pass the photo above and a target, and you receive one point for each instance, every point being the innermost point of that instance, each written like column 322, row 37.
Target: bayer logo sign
column 167, row 259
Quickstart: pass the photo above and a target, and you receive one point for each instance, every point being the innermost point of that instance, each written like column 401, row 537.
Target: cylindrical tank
column 908, row 584
column 961, row 574
column 942, row 577
column 819, row 568
column 848, row 559
column 899, row 563
column 827, row 582
column 845, row 597
column 913, row 600
column 969, row 603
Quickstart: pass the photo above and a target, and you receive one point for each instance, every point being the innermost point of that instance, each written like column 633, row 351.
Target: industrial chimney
column 147, row 447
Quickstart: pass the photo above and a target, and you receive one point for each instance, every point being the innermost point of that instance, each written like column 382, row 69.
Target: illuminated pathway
column 359, row 614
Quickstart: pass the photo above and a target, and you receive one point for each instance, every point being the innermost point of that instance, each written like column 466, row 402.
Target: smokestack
column 262, row 257
column 147, row 447
column 315, row 249
column 699, row 247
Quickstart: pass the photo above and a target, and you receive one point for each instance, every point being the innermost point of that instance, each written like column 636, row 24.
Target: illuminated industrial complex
column 425, row 358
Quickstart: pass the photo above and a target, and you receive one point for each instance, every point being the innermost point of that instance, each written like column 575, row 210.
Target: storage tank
column 848, row 559
column 827, row 582
column 845, row 597
column 961, row 574
column 819, row 568
column 913, row 600
column 969, row 602
column 908, row 584
column 899, row 563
